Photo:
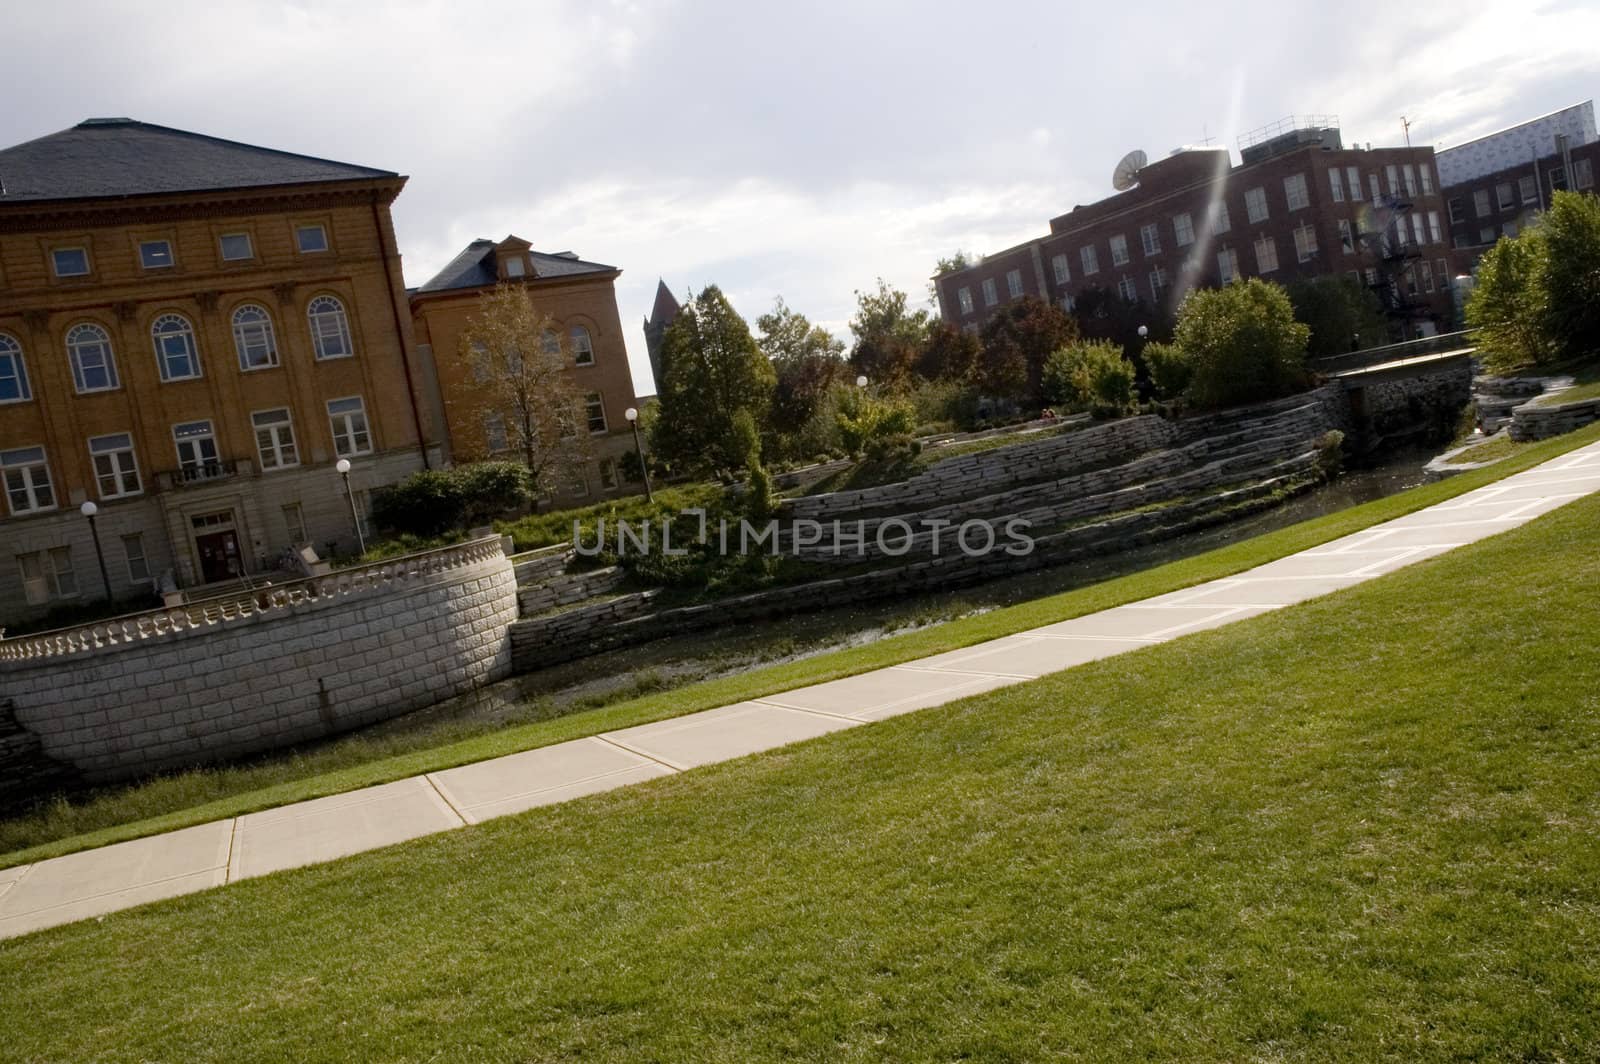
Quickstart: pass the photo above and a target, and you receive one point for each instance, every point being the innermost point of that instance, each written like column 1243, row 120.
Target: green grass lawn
column 1364, row 827
column 185, row 799
column 1502, row 446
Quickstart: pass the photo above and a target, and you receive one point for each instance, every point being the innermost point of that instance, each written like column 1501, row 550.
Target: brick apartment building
column 192, row 332
column 1495, row 185
column 1300, row 204
column 580, row 297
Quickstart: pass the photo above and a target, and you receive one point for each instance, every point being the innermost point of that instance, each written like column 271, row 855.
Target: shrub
column 1090, row 375
column 862, row 419
column 492, row 490
column 1330, row 453
column 1171, row 369
column 427, row 503
column 1245, row 342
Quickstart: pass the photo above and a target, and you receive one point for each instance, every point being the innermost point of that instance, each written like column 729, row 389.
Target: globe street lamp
column 1144, row 331
column 343, row 466
column 861, row 382
column 632, row 414
column 89, row 509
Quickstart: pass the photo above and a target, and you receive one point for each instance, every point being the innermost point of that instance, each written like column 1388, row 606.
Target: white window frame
column 608, row 474
column 166, row 251
column 1089, row 258
column 1353, row 179
column 1158, row 284
column 252, row 334
column 30, row 570
column 330, row 328
column 1228, row 264
column 177, row 328
column 279, row 438
column 1336, row 183
column 1295, row 193
column 294, row 522
column 1408, row 176
column 1183, row 229
column 1435, row 231
column 222, row 247
column 1255, row 205
column 1150, row 239
column 1267, row 244
column 197, row 464
column 1505, row 195
column 1013, row 284
column 115, row 465
column 132, row 552
column 990, row 292
column 63, row 574
column 26, row 471
column 1305, row 243
column 582, row 345
column 1391, row 177
column 964, row 298
column 55, row 261
column 1480, row 203
column 13, row 370
column 1347, row 237
column 308, row 227
column 1119, row 250
column 1582, row 174
column 1128, row 288
column 594, row 403
column 347, row 418
column 1061, row 266
column 85, row 338
column 1221, row 220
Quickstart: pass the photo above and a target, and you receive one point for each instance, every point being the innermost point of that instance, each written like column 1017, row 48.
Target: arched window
column 94, row 369
column 176, row 354
column 582, row 348
column 330, row 329
column 550, row 342
column 13, row 377
column 253, row 338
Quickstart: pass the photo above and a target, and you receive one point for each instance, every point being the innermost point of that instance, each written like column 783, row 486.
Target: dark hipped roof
column 475, row 268
column 105, row 157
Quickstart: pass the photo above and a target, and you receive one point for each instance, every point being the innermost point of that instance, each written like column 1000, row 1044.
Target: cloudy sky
column 800, row 150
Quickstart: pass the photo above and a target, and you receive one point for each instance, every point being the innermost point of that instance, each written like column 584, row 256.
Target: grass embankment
column 1502, row 446
column 196, row 797
column 869, row 473
column 1364, row 827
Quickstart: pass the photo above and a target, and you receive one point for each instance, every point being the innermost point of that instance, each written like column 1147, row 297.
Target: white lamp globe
column 632, row 414
column 342, row 465
column 88, row 509
column 1144, row 330
column 861, row 382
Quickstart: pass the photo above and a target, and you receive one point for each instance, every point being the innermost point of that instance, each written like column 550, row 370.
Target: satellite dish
column 1126, row 175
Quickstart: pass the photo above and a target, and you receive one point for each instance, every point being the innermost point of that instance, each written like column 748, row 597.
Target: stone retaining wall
column 1539, row 421
column 282, row 665
column 566, row 589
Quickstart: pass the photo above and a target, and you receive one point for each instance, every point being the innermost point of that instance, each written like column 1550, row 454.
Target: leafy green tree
column 864, row 420
column 1171, row 369
column 1245, row 344
column 889, row 337
column 807, row 361
column 1337, row 309
column 951, row 354
column 716, row 373
column 1016, row 342
column 1571, row 233
column 1089, row 375
column 946, row 264
column 1508, row 300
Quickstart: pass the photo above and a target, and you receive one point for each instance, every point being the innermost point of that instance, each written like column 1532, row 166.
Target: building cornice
column 55, row 215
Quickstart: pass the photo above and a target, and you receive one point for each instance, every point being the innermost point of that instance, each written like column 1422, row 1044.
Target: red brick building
column 1300, row 204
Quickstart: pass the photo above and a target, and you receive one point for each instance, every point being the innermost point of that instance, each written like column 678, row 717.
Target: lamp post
column 632, row 414
column 343, row 466
column 1144, row 331
column 89, row 509
column 861, row 382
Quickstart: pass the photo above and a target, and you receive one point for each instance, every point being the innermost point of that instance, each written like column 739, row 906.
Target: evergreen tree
column 715, row 373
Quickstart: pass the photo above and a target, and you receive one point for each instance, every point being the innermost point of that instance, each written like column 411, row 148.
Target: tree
column 1507, row 305
column 889, row 337
column 958, row 261
column 1244, row 342
column 519, row 368
column 1089, row 375
column 951, row 354
column 1337, row 309
column 807, row 360
column 1104, row 315
column 1571, row 233
column 1016, row 342
column 715, row 374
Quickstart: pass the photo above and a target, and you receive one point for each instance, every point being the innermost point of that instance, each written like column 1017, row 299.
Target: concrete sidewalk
column 120, row 876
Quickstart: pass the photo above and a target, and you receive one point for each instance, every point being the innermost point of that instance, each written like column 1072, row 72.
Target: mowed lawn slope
column 1365, row 827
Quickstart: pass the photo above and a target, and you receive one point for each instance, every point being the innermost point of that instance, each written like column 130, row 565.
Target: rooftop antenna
column 1405, row 124
column 1126, row 175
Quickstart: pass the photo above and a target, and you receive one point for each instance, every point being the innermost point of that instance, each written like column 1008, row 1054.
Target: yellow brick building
column 192, row 332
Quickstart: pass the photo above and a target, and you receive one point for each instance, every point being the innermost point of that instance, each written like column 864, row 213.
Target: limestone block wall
column 566, row 589
column 289, row 663
column 1538, row 421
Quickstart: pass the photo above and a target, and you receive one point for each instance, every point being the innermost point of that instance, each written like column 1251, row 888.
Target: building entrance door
column 219, row 556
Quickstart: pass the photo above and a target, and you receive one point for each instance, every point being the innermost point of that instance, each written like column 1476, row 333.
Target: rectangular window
column 58, row 566
column 594, row 411
column 1426, row 273
column 348, row 417
column 310, row 239
column 1372, row 276
column 1486, row 235
column 1418, row 229
column 1408, row 174
column 275, row 439
column 1353, row 177
column 608, row 474
column 1426, row 170
column 1435, row 231
column 1480, row 202
column 1183, row 229
column 1458, row 211
column 236, row 247
column 1505, row 194
column 990, row 296
column 1067, row 303
column 1119, row 250
column 1558, row 178
column 1347, row 239
column 1158, row 284
column 494, row 434
column 133, row 552
column 1220, row 221
column 294, row 523
column 27, row 478
column 1391, row 174
column 964, row 297
column 1444, row 272
column 1090, row 259
column 34, row 588
column 197, row 450
column 1014, row 283
column 70, row 262
column 1266, row 255
column 1062, row 271
column 1372, row 184
column 1255, row 205
column 1509, row 229
column 1294, row 192
column 1582, row 173
column 115, row 471
column 1527, row 190
column 1127, row 289
column 1305, row 243
column 155, row 254
column 1228, row 264
column 13, row 375
column 1336, row 184
column 579, row 485
column 1150, row 239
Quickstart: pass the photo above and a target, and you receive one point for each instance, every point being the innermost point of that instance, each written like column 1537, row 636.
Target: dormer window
column 70, row 262
column 514, row 267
